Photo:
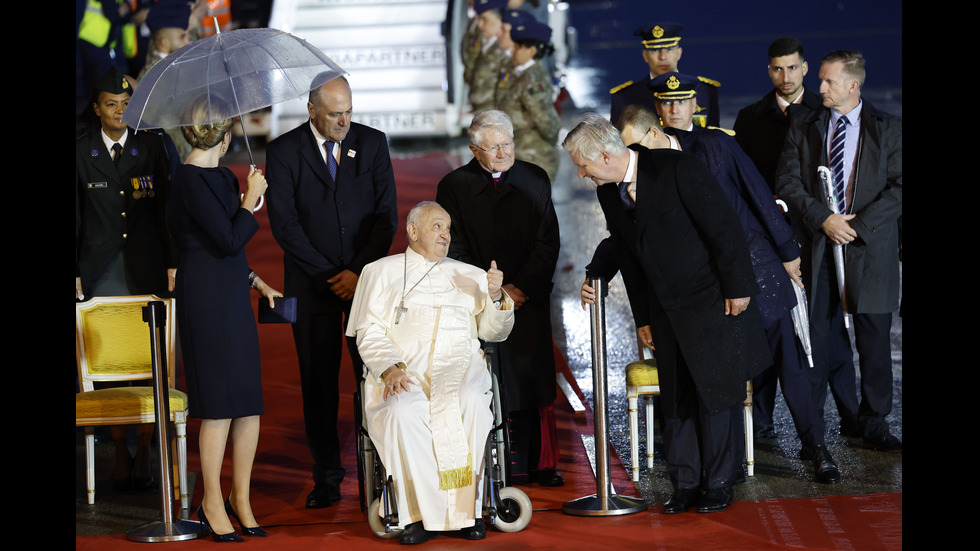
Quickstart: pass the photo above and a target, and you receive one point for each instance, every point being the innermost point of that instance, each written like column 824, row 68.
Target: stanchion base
column 593, row 506
column 178, row 530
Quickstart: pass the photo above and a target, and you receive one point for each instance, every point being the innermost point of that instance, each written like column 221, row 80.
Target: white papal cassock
column 431, row 439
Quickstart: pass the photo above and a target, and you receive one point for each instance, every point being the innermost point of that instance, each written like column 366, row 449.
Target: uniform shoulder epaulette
column 712, row 82
column 621, row 86
column 728, row 131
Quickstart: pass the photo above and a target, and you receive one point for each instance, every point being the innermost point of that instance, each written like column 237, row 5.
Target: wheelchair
column 508, row 508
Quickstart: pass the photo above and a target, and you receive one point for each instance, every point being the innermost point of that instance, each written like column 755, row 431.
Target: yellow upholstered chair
column 112, row 343
column 642, row 379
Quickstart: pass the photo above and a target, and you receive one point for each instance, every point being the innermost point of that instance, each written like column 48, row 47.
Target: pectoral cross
column 399, row 310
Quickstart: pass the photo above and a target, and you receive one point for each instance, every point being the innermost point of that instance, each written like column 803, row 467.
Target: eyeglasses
column 495, row 148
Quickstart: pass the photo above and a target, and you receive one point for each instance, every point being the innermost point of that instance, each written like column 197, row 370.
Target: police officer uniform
column 656, row 36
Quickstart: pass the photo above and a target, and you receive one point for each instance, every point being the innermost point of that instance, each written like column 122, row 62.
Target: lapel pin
column 351, row 153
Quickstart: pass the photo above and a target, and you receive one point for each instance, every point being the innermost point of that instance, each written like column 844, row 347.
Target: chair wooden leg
column 90, row 464
column 634, row 437
column 749, row 431
column 650, row 425
column 181, row 426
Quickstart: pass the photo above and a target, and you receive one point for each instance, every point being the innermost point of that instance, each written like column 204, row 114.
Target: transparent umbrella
column 246, row 69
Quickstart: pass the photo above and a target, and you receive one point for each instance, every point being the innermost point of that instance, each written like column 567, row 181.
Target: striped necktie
column 837, row 162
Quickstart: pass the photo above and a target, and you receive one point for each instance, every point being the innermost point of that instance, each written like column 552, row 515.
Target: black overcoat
column 684, row 254
column 760, row 129
column 871, row 260
column 517, row 227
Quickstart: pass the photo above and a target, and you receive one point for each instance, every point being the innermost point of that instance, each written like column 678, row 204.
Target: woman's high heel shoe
column 220, row 538
column 257, row 532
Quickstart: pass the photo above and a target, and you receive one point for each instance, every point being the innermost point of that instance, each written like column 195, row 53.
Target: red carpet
column 281, row 476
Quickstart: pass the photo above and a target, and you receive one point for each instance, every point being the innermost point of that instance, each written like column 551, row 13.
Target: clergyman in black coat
column 501, row 210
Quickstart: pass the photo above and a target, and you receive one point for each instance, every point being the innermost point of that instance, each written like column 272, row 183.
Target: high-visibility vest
column 220, row 9
column 129, row 33
column 95, row 27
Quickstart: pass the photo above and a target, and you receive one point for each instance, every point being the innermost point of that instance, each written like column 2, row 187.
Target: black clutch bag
column 284, row 312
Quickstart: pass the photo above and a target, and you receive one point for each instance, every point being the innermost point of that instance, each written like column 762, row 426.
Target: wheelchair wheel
column 377, row 525
column 514, row 512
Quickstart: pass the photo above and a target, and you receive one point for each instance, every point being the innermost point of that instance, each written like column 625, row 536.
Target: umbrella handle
column 258, row 206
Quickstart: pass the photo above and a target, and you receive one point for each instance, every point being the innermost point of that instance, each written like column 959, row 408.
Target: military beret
column 168, row 13
column 484, row 5
column 113, row 82
column 515, row 17
column 531, row 30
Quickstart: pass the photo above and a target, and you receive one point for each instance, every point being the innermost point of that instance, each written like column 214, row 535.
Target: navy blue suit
column 771, row 242
column 325, row 227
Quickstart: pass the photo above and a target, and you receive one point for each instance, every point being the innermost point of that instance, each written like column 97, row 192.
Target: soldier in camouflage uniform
column 526, row 94
column 469, row 48
column 486, row 68
column 511, row 18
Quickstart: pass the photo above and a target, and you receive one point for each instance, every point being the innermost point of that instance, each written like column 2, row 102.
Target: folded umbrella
column 827, row 178
column 801, row 322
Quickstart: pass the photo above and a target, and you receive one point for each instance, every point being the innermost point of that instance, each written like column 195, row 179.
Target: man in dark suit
column 775, row 258
column 687, row 271
column 761, row 127
column 332, row 209
column 501, row 210
column 662, row 52
column 863, row 148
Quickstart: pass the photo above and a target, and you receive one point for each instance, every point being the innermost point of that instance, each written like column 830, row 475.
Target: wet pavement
column 778, row 471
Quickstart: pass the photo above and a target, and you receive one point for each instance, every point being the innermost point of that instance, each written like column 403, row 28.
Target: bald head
column 330, row 109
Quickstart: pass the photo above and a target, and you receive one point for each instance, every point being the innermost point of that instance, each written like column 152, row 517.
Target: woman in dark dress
column 219, row 340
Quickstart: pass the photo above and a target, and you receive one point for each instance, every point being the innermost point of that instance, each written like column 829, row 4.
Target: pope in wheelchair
column 418, row 318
